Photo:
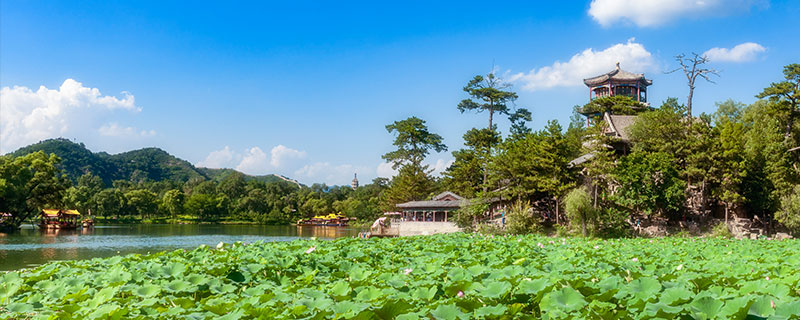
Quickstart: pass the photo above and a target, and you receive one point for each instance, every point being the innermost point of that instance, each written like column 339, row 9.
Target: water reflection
column 32, row 246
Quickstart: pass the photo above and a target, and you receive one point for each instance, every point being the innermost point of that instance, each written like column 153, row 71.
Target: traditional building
column 614, row 83
column 438, row 209
column 354, row 184
column 618, row 82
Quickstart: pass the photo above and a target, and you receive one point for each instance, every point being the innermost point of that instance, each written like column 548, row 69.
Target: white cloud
column 744, row 52
column 441, row 165
column 28, row 116
column 385, row 170
column 224, row 158
column 632, row 56
column 652, row 13
column 331, row 174
column 115, row 130
column 254, row 162
column 281, row 154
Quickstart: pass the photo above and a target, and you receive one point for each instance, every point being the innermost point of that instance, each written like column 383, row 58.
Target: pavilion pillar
column 445, row 216
column 638, row 93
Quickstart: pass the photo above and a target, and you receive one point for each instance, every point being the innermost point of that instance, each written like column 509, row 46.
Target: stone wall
column 415, row 228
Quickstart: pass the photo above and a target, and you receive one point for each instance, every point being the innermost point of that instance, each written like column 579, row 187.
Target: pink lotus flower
column 772, row 304
column 408, row 271
column 310, row 250
column 460, row 294
column 767, row 278
column 635, row 260
column 540, row 245
column 597, row 247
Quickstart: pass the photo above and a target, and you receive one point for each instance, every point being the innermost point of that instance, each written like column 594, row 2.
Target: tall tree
column 692, row 67
column 488, row 94
column 729, row 154
column 786, row 95
column 413, row 141
column 467, row 175
column 30, row 183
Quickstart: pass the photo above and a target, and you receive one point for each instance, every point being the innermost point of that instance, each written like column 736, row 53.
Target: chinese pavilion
column 354, row 184
column 619, row 82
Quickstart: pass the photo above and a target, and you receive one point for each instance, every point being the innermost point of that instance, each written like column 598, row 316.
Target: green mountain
column 221, row 174
column 142, row 164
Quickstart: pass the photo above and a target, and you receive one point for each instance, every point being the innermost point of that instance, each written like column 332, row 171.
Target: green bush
column 789, row 215
column 490, row 228
column 581, row 214
column 613, row 223
column 468, row 216
column 721, row 230
column 520, row 219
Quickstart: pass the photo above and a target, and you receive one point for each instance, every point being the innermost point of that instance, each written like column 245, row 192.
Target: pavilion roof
column 443, row 200
column 619, row 124
column 618, row 75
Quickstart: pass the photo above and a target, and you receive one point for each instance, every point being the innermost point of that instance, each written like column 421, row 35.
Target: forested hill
column 136, row 165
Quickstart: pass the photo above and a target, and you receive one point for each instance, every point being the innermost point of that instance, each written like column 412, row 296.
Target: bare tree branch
column 692, row 68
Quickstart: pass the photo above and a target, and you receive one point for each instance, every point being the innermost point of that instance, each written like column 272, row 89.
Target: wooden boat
column 87, row 223
column 59, row 219
column 331, row 220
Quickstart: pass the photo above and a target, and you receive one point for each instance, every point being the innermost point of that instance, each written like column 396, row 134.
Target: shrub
column 520, row 219
column 789, row 215
column 721, row 230
column 468, row 216
column 578, row 205
column 613, row 223
column 490, row 228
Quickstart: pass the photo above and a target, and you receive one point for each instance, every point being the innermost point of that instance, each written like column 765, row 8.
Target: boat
column 59, row 219
column 87, row 223
column 330, row 220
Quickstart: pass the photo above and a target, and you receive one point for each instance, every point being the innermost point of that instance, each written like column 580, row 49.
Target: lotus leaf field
column 457, row 276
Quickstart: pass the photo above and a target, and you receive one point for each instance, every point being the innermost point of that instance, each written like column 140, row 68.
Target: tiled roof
column 617, row 75
column 619, row 124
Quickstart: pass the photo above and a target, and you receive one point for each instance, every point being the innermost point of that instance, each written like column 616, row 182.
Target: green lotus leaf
column 533, row 287
column 179, row 286
column 19, row 307
column 448, row 312
column 495, row 290
column 424, row 293
column 676, row 295
column 173, row 269
column 147, row 290
column 369, row 293
column 348, row 309
column 105, row 311
column 197, row 279
column 566, row 299
column 762, row 307
column 497, row 310
column 662, row 310
column 788, row 310
column 736, row 308
column 103, row 296
column 706, row 308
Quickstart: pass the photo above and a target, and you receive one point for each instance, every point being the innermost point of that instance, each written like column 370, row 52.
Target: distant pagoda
column 354, row 184
column 619, row 82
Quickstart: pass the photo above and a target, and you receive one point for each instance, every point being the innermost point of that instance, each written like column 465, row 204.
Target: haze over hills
column 136, row 165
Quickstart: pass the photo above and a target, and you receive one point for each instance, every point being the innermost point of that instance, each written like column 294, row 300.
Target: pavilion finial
column 617, row 65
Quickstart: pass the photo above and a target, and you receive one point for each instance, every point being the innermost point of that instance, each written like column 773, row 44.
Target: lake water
column 31, row 246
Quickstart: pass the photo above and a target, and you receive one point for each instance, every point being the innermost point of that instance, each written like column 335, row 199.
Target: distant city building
column 354, row 184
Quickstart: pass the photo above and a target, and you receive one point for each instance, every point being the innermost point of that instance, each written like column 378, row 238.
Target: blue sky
column 305, row 89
